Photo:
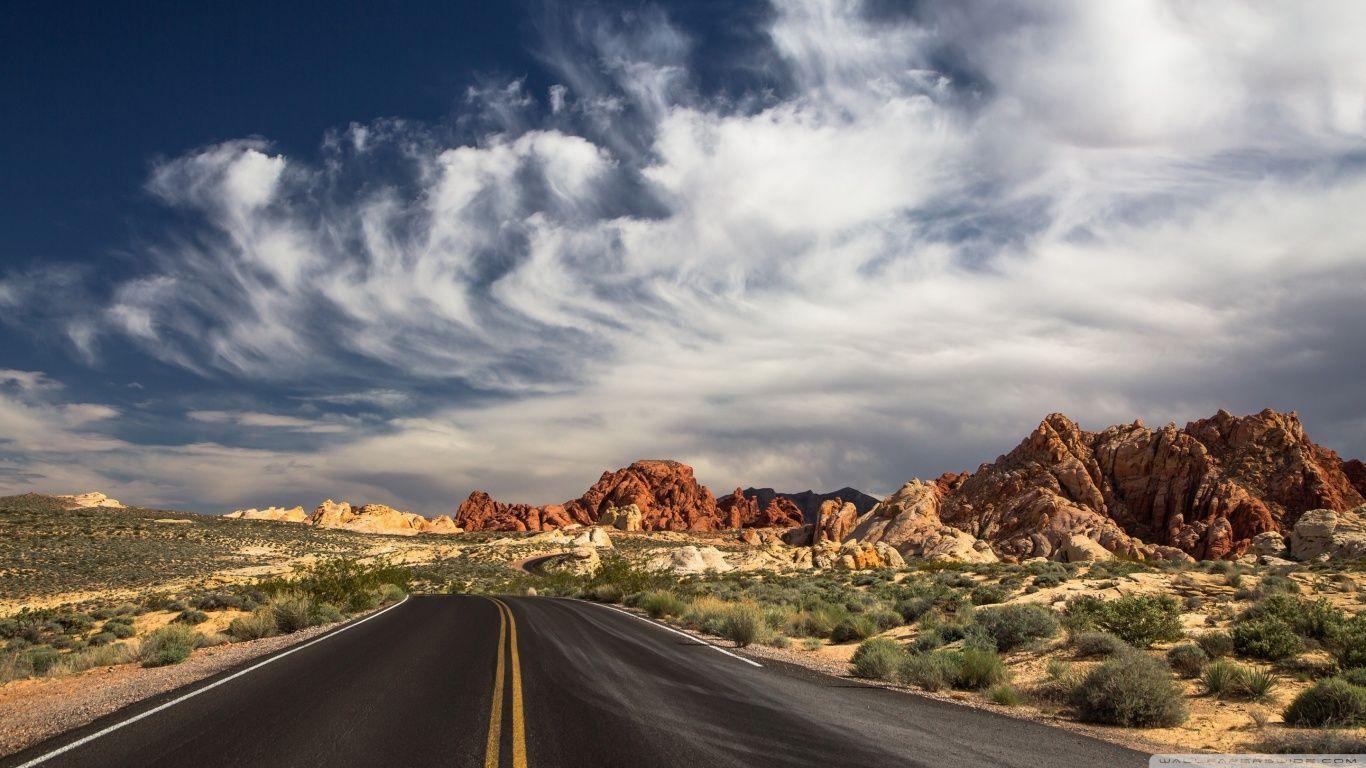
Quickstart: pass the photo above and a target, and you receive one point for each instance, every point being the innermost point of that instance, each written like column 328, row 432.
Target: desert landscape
column 1195, row 588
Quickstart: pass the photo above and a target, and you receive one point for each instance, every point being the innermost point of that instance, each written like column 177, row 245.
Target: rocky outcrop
column 439, row 524
column 1325, row 533
column 367, row 518
column 808, row 502
column 690, row 561
column 1355, row 471
column 584, row 561
column 834, row 521
column 1206, row 490
column 908, row 520
column 665, row 493
column 280, row 514
column 739, row 510
column 627, row 518
column 88, row 500
column 481, row 512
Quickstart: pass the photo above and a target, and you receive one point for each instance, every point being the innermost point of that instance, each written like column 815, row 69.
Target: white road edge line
column 197, row 691
column 670, row 629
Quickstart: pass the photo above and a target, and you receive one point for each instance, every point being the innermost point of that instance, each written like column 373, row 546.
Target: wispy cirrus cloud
column 939, row 223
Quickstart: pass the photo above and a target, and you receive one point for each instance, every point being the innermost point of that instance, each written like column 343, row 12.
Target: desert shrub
column 255, row 625
column 292, row 612
column 781, row 641
column 1347, row 641
column 1316, row 619
column 101, row 638
column 1356, row 676
column 1131, row 690
column 1266, row 638
column 980, row 668
column 1313, row 742
column 912, row 608
column 212, row 639
column 706, row 613
column 885, row 619
column 743, row 624
column 1005, row 695
column 877, row 658
column 170, row 644
column 324, row 613
column 191, row 617
column 1274, row 583
column 811, row 643
column 660, row 603
column 1225, row 679
column 604, row 593
column 391, row 593
column 1046, row 580
column 1139, row 620
column 1060, row 679
column 1091, row 645
column 818, row 619
column 853, row 628
column 1013, row 626
column 40, row 659
column 1215, row 644
column 989, row 594
column 1331, row 702
column 933, row 671
column 219, row 601
column 1187, row 659
column 99, row 656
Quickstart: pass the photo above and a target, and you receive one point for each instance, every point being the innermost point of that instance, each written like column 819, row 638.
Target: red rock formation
column 834, row 522
column 666, row 492
column 1206, row 489
column 481, row 512
column 669, row 497
column 742, row 510
column 1356, row 474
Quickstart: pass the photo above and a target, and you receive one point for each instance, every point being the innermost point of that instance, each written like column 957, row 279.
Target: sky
column 255, row 255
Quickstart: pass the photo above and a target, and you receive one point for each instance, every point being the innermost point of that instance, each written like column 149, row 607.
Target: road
column 464, row 681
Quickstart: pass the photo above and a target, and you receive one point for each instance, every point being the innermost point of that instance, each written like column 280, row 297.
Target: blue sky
column 255, row 255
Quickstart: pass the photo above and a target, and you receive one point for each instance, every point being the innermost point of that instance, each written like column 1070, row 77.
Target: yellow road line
column 518, row 721
column 496, row 713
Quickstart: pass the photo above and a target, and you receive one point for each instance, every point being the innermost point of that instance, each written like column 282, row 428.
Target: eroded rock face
column 625, row 518
column 665, row 493
column 1325, row 533
column 740, row 510
column 1355, row 471
column 367, row 518
column 807, row 502
column 1206, row 490
column 440, row 524
column 88, row 500
column 834, row 521
column 290, row 515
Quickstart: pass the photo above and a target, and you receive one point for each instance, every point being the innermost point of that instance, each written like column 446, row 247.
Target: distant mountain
column 809, row 502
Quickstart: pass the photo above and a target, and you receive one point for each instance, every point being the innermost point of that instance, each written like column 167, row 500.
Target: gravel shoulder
column 39, row 708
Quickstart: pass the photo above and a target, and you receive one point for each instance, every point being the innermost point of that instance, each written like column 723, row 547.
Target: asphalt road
column 470, row 681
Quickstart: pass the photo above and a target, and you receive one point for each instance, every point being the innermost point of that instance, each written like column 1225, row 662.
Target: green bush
column 912, row 608
column 877, row 659
column 1225, row 679
column 1317, row 619
column 884, row 619
column 605, row 593
column 102, row 638
column 170, row 644
column 858, row 627
column 292, row 612
column 391, row 593
column 743, row 624
column 706, row 613
column 1005, row 695
column 660, row 603
column 255, row 625
column 933, row 671
column 1215, row 644
column 191, row 617
column 1187, row 659
column 325, row 613
column 980, row 668
column 1347, row 641
column 40, row 659
column 989, row 594
column 1333, row 702
column 99, row 656
column 1267, row 638
column 818, row 620
column 1092, row 645
column 1133, row 690
column 1139, row 620
column 1355, row 676
column 1012, row 626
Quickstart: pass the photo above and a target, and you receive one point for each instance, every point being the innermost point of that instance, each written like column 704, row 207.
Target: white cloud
column 949, row 225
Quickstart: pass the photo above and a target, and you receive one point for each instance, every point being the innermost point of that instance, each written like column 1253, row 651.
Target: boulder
column 88, row 500
column 690, row 561
column 593, row 537
column 1081, row 549
column 835, row 521
column 290, row 515
column 584, row 561
column 627, row 518
column 1326, row 534
column 1269, row 543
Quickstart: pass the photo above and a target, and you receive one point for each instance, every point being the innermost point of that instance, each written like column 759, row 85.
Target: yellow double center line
column 507, row 645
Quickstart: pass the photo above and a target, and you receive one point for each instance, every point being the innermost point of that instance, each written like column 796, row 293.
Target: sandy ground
column 36, row 709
